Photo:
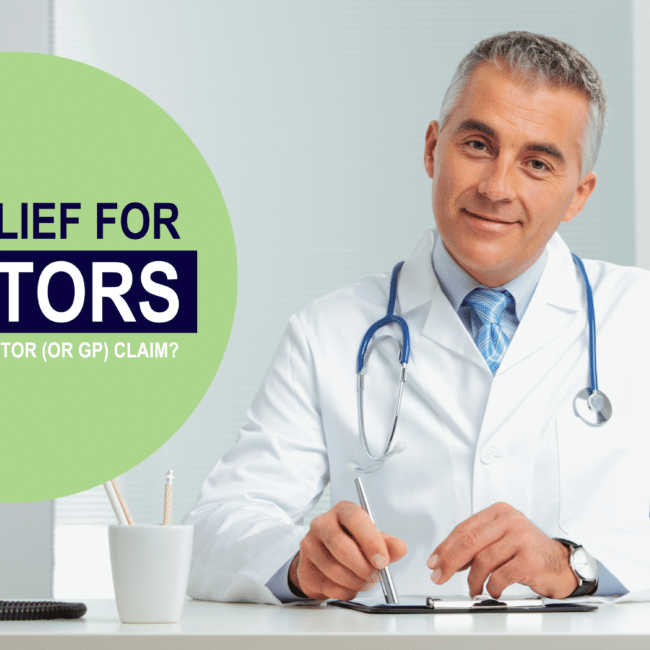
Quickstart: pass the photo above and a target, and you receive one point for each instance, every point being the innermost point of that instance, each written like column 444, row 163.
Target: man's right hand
column 342, row 553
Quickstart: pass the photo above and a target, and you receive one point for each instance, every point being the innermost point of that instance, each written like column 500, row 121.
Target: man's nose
column 498, row 180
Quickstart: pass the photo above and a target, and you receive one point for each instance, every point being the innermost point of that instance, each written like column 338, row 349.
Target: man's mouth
column 487, row 218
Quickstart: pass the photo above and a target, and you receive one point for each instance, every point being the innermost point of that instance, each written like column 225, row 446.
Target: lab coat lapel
column 559, row 295
column 444, row 327
column 418, row 285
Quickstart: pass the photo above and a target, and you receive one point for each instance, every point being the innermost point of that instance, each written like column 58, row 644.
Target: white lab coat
column 471, row 440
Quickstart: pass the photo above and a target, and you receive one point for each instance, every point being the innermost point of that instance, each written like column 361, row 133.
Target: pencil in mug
column 118, row 502
column 169, row 495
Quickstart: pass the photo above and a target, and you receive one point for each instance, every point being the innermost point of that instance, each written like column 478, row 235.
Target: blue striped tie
column 489, row 305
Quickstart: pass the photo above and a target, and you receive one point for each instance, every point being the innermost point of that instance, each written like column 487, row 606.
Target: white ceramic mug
column 151, row 566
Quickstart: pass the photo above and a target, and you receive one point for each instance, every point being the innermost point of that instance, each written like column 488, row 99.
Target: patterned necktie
column 489, row 305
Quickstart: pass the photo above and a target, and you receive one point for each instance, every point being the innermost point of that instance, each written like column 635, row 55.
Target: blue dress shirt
column 456, row 283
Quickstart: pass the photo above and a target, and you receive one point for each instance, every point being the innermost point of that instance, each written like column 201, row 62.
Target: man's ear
column 583, row 192
column 431, row 140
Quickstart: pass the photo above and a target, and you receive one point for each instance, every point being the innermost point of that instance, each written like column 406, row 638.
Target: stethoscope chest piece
column 592, row 407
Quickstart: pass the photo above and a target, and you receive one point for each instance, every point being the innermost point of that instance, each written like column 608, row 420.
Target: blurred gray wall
column 26, row 542
column 26, row 26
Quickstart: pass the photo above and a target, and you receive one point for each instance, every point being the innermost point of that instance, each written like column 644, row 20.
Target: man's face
column 506, row 172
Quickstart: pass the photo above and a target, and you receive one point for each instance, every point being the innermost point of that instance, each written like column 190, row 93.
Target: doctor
column 497, row 465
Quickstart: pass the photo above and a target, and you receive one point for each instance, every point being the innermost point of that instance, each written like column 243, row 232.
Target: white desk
column 221, row 626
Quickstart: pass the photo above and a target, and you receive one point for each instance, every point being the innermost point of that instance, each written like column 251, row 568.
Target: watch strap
column 585, row 587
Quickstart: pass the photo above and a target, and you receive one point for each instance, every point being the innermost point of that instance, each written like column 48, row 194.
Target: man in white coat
column 501, row 486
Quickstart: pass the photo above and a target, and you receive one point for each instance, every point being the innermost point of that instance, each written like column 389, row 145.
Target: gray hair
column 539, row 59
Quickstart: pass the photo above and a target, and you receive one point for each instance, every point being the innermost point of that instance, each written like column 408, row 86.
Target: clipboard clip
column 483, row 604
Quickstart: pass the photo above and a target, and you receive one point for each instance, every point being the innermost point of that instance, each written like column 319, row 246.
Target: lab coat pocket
column 603, row 474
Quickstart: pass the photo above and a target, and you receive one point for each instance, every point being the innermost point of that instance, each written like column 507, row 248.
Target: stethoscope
column 590, row 404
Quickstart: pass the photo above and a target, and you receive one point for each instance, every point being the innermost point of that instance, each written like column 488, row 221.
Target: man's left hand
column 500, row 542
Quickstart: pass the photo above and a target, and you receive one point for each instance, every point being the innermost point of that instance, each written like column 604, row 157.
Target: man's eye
column 538, row 165
column 477, row 144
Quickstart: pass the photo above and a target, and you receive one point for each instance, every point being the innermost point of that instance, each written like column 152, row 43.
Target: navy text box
column 61, row 292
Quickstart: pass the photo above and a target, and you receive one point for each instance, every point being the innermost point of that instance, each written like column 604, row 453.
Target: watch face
column 584, row 565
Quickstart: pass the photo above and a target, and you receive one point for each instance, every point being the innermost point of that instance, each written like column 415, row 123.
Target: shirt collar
column 456, row 283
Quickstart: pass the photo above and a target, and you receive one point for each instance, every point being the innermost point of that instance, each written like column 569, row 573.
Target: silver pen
column 384, row 574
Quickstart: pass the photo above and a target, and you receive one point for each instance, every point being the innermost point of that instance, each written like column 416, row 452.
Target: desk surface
column 236, row 626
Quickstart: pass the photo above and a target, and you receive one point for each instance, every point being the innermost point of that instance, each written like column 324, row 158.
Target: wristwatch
column 584, row 566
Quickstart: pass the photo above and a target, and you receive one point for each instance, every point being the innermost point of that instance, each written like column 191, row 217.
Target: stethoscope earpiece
column 399, row 447
column 352, row 468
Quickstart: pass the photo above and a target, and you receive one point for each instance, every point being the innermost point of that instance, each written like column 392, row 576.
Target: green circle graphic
column 72, row 133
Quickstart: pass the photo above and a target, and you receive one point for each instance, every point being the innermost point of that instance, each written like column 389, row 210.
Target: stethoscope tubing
column 591, row 318
column 386, row 320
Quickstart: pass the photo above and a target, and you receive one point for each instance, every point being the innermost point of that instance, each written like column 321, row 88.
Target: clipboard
column 423, row 605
